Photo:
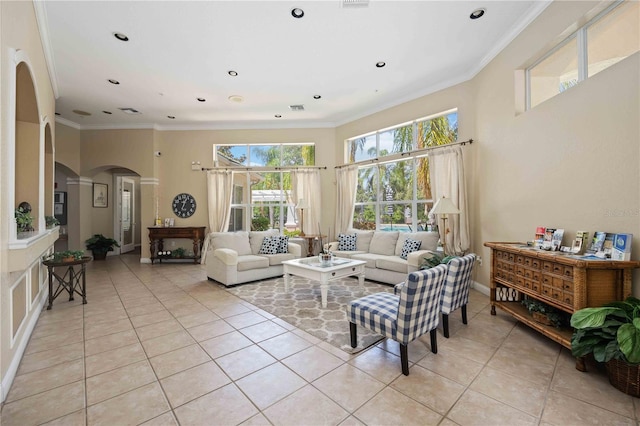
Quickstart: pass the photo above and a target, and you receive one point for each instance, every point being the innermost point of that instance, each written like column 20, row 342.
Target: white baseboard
column 480, row 287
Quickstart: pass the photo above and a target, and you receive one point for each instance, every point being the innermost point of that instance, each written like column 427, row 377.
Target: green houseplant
column 612, row 334
column 64, row 256
column 24, row 220
column 434, row 260
column 100, row 245
column 51, row 221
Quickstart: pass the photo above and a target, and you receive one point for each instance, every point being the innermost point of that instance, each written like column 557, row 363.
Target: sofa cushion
column 384, row 242
column 277, row 259
column 347, row 242
column 237, row 241
column 409, row 246
column 369, row 258
column 255, row 239
column 346, row 254
column 392, row 263
column 429, row 240
column 250, row 261
column 363, row 240
column 283, row 243
column 270, row 245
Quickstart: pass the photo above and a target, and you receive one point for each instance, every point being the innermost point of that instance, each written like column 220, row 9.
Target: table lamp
column 302, row 205
column 443, row 207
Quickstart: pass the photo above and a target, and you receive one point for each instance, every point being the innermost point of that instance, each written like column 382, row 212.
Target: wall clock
column 184, row 205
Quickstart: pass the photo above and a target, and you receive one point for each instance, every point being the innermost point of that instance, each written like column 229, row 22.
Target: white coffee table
column 312, row 269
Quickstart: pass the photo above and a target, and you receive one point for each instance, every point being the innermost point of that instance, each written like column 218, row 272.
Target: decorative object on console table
column 597, row 243
column 157, row 235
column 443, row 207
column 622, row 247
column 567, row 283
column 580, row 242
column 610, row 333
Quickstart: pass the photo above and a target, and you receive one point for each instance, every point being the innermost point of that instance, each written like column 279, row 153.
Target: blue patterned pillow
column 270, row 245
column 409, row 246
column 347, row 242
column 283, row 244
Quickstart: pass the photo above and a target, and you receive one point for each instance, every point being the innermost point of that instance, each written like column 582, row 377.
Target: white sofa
column 381, row 250
column 234, row 258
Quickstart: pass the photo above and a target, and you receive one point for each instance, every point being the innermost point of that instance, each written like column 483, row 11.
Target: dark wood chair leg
column 445, row 325
column 464, row 313
column 434, row 341
column 354, row 334
column 404, row 359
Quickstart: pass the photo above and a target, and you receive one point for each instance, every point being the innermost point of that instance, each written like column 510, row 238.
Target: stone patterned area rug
column 302, row 307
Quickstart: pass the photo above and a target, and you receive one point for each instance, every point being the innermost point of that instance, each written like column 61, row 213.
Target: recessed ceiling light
column 201, row 99
column 232, row 73
column 380, row 64
column 107, row 112
column 277, row 116
column 80, row 112
column 236, row 98
column 477, row 14
column 171, row 117
column 316, row 96
column 112, row 81
column 297, row 13
column 121, row 36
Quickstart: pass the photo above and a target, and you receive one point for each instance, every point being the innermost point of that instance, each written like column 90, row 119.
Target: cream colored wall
column 19, row 33
column 68, row 147
column 26, row 163
column 571, row 162
column 102, row 149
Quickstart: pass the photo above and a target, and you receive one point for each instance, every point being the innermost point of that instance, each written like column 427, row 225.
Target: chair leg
column 445, row 325
column 354, row 334
column 434, row 341
column 404, row 359
column 464, row 313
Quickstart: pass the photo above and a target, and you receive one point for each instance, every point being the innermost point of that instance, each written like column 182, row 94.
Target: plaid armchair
column 404, row 317
column 455, row 292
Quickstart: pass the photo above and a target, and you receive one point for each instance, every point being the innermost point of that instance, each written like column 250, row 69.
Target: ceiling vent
column 355, row 3
column 296, row 107
column 131, row 111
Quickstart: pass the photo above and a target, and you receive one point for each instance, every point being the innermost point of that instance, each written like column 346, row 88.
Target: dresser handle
column 353, row 269
column 333, row 274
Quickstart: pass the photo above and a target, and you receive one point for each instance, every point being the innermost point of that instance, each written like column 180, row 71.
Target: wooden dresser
column 157, row 234
column 566, row 282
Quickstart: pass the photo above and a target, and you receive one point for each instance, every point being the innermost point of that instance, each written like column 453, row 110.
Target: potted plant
column 51, row 221
column 612, row 334
column 64, row 256
column 434, row 260
column 24, row 220
column 545, row 314
column 100, row 245
column 179, row 253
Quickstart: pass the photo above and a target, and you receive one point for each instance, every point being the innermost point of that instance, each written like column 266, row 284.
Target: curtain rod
column 402, row 154
column 264, row 169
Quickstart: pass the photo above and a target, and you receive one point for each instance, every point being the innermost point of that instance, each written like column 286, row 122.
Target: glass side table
column 73, row 280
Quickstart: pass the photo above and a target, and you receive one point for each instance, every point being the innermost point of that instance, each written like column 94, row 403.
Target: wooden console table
column 566, row 282
column 157, row 234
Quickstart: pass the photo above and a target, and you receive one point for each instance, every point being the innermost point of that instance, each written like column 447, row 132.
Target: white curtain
column 219, row 191
column 346, row 185
column 446, row 167
column 305, row 185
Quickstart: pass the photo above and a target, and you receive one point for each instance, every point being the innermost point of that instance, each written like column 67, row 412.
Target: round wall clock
column 184, row 205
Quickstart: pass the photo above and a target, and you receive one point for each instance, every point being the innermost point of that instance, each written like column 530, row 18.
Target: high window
column 605, row 40
column 394, row 188
column 262, row 192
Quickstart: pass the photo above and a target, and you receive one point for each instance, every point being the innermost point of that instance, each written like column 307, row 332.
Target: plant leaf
column 629, row 341
column 591, row 317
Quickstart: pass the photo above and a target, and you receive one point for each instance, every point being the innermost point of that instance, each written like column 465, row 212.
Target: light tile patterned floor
column 161, row 345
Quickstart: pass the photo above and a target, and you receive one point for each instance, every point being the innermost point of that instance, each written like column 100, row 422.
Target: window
column 262, row 189
column 607, row 39
column 395, row 193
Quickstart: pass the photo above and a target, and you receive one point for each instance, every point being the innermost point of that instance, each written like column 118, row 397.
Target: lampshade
column 444, row 206
column 302, row 204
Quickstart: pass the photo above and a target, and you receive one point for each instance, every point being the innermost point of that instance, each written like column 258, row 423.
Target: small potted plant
column 612, row 334
column 179, row 253
column 24, row 220
column 434, row 260
column 64, row 256
column 100, row 245
column 545, row 314
column 51, row 221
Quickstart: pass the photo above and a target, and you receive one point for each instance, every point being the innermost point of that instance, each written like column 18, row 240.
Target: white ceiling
column 181, row 50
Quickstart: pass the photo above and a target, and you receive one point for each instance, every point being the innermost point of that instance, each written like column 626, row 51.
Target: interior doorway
column 126, row 213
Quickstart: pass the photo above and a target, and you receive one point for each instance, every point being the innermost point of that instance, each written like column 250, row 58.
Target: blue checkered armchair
column 405, row 316
column 455, row 292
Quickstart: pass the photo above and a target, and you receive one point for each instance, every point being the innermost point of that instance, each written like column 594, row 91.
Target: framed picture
column 100, row 194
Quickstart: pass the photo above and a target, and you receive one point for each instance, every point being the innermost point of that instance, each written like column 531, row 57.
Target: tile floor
column 161, row 345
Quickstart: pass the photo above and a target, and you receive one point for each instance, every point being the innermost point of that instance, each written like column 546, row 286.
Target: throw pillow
column 283, row 243
column 409, row 246
column 347, row 242
column 270, row 245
